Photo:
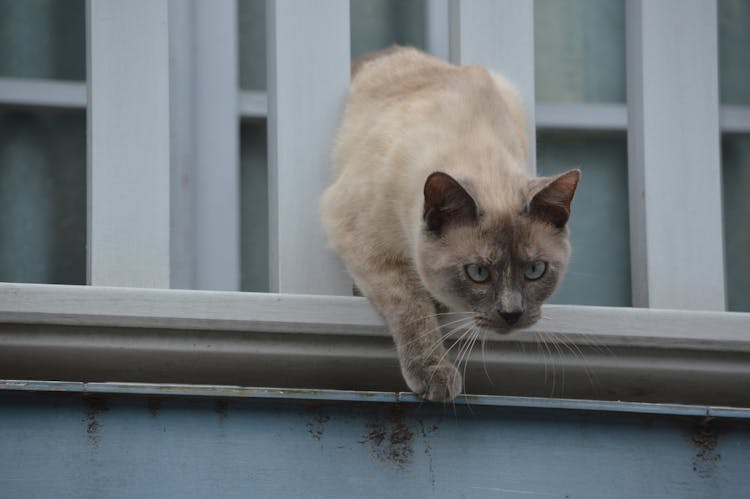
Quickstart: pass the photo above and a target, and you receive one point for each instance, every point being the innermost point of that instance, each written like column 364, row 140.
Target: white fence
column 673, row 129
column 148, row 228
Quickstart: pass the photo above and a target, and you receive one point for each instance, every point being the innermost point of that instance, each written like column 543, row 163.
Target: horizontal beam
column 42, row 93
column 323, row 342
column 253, row 105
column 31, row 92
column 347, row 315
column 599, row 117
column 734, row 119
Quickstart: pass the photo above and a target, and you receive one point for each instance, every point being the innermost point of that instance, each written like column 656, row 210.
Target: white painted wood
column 42, row 93
column 182, row 113
column 438, row 28
column 308, row 77
column 253, row 105
column 585, row 117
column 205, row 145
column 212, row 337
column 674, row 155
column 128, row 143
column 344, row 315
column 216, row 176
column 498, row 34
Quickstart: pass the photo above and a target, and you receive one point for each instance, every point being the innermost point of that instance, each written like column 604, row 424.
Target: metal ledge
column 176, row 390
column 83, row 333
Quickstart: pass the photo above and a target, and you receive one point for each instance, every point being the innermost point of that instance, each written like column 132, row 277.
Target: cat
column 431, row 207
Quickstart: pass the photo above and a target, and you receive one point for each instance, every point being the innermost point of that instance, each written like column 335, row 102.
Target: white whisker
column 423, row 334
column 484, row 360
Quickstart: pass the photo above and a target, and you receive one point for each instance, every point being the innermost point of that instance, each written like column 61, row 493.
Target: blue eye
column 535, row 270
column 477, row 272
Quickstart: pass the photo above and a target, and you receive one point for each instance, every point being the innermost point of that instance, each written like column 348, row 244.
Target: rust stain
column 426, row 432
column 93, row 405
column 154, row 406
column 221, row 407
column 705, row 439
column 390, row 438
column 316, row 422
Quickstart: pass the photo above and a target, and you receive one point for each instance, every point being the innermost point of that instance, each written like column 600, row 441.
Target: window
column 42, row 142
column 734, row 91
column 217, row 191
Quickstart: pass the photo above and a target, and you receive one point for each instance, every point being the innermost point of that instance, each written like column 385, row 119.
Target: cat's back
column 397, row 72
column 409, row 114
column 404, row 96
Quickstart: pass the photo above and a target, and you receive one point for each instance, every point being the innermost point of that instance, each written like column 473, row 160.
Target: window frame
column 637, row 336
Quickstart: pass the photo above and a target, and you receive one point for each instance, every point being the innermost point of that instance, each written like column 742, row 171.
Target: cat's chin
column 500, row 328
column 492, row 327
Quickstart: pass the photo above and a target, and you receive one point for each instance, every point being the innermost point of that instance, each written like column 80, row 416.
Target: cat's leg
column 409, row 311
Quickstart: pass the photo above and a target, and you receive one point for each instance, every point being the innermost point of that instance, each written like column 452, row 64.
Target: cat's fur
column 407, row 233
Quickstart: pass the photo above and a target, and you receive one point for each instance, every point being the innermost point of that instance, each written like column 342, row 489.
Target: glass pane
column 734, row 50
column 736, row 180
column 43, row 39
column 377, row 24
column 252, row 38
column 579, row 50
column 599, row 270
column 254, row 206
column 43, row 197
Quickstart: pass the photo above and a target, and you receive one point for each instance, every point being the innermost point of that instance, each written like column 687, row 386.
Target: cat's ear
column 446, row 203
column 551, row 203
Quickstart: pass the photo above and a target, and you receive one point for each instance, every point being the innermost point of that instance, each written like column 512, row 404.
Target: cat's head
column 499, row 265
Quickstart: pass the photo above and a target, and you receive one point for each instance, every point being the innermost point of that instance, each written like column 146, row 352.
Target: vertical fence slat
column 128, row 143
column 438, row 28
column 182, row 253
column 308, row 76
column 498, row 34
column 674, row 166
column 216, row 146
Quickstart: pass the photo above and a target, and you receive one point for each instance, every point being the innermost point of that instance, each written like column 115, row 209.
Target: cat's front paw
column 439, row 382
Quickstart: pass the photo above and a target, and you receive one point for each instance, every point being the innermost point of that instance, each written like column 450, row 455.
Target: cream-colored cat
column 432, row 206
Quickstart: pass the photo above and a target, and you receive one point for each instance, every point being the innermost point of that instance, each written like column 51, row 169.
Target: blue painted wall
column 69, row 446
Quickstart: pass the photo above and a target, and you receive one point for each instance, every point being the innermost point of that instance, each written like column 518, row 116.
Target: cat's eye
column 477, row 272
column 535, row 270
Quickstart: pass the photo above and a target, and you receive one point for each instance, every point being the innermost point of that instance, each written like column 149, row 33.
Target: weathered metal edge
column 226, row 391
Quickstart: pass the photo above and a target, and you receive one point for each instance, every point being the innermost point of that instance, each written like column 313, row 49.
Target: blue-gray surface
column 98, row 445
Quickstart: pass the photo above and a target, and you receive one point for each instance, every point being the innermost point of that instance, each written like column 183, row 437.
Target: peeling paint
column 154, row 406
column 705, row 439
column 426, row 432
column 316, row 422
column 221, row 407
column 93, row 405
column 390, row 438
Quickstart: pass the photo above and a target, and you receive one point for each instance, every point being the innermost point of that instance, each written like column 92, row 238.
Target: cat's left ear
column 446, row 203
column 551, row 203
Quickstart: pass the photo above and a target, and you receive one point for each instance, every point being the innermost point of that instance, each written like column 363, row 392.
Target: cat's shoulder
column 397, row 71
column 401, row 70
column 396, row 58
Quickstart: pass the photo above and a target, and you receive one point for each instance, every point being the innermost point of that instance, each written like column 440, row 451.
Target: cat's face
column 499, row 266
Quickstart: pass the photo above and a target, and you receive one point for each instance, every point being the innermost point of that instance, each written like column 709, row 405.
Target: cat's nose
column 511, row 317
